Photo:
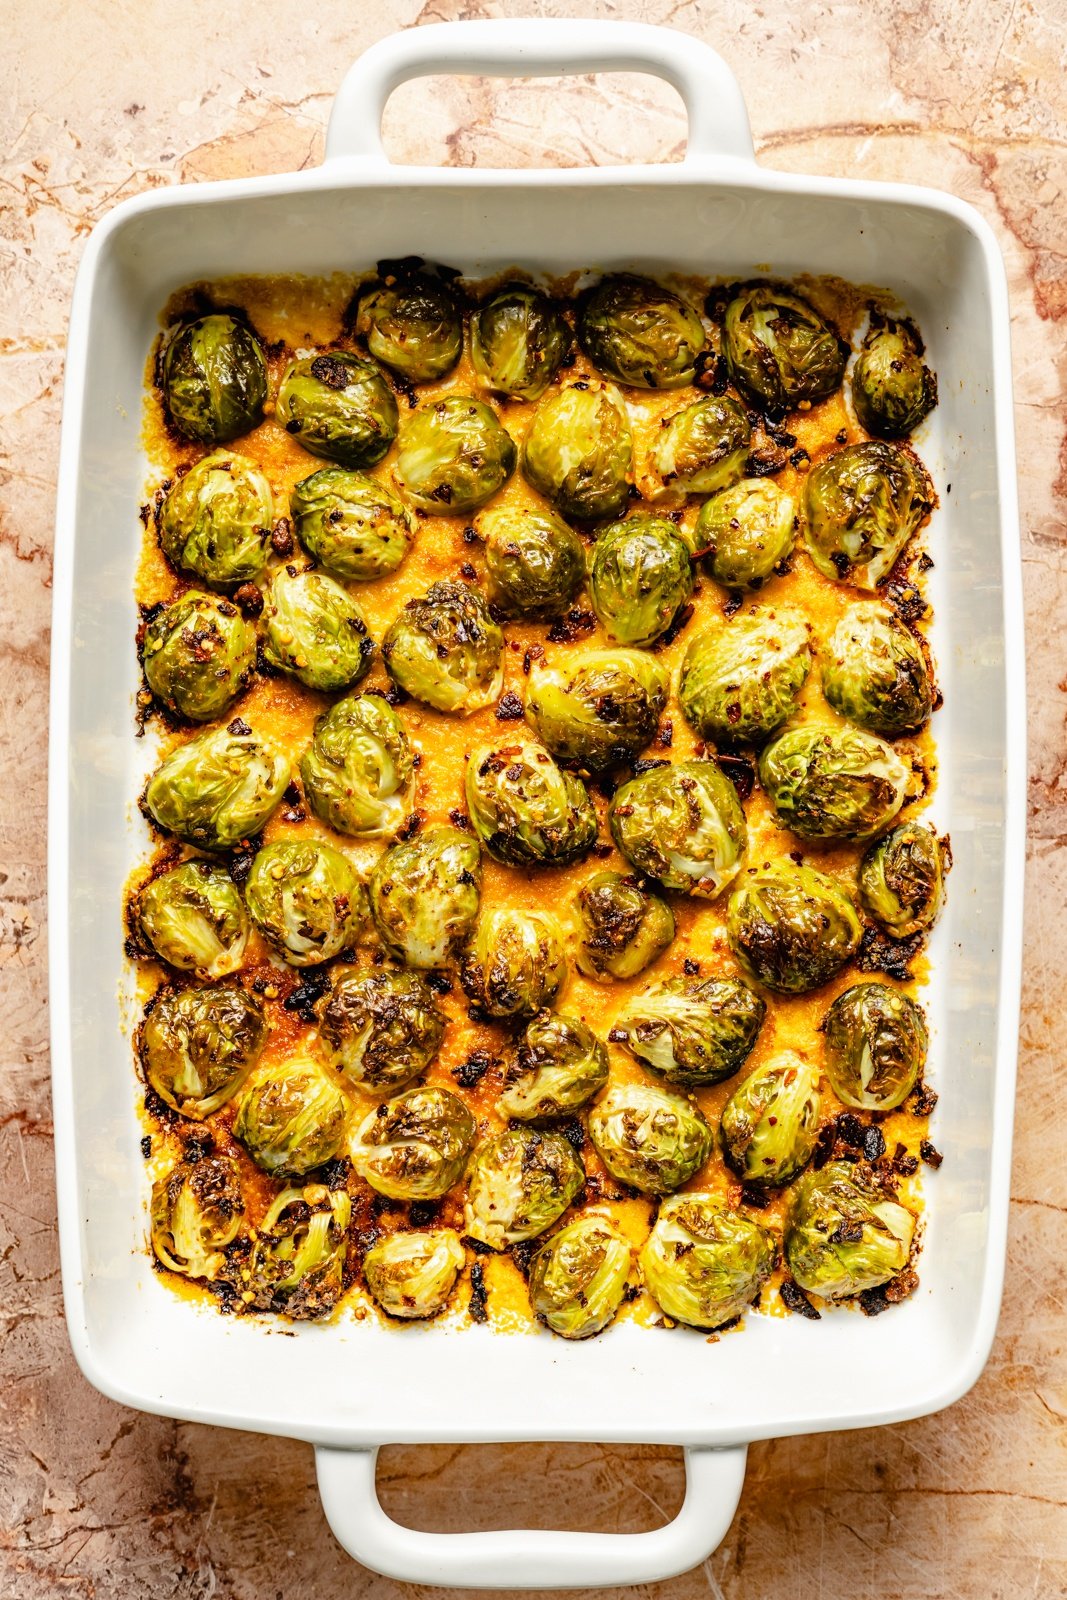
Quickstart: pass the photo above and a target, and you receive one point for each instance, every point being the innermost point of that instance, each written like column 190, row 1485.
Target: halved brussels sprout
column 194, row 919
column 845, row 1232
column 559, row 1065
column 415, row 1146
column 338, row 406
column 875, row 1046
column 198, row 655
column 902, row 879
column 412, row 1275
column 779, row 350
column 199, row 1045
column 640, row 578
column 292, row 1119
column 315, row 631
column 358, row 768
column 771, row 1121
column 412, row 325
column 597, row 706
column 875, row 673
column 352, row 525
column 298, row 1260
column 699, row 450
column 306, row 899
column 682, row 825
column 791, row 928
column 705, row 1264
column 833, row 783
column 534, row 563
column 741, row 679
column 861, row 505
column 527, row 811
column 197, row 1210
column 516, row 964
column 454, row 453
column 445, row 649
column 216, row 521
column 579, row 1276
column 620, row 927
column 381, row 1028
column 219, row 788
column 745, row 532
column 519, row 341
column 519, row 1183
column 692, row 1031
column 639, row 333
column 578, row 452
column 214, row 378
column 648, row 1138
column 424, row 896
column 892, row 388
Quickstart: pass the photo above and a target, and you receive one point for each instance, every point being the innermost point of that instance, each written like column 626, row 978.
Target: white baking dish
column 352, row 1387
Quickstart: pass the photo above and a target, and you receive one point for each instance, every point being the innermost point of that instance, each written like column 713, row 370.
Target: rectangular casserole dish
column 350, row 1387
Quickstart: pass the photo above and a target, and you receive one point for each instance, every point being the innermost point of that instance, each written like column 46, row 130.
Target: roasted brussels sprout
column 353, row 526
column 741, row 679
column 197, row 1210
column 845, row 1233
column 306, row 899
column 519, row 341
column 771, row 1121
column 578, row 452
column 338, row 406
column 683, row 825
column 779, row 350
column 578, row 1277
column 315, row 631
column 534, row 563
column 559, row 1065
column 358, row 767
column 902, row 879
column 413, row 325
column 199, row 1045
column 526, row 811
column 833, row 783
column 861, row 504
column 875, row 672
column 216, row 521
column 648, row 1138
column 412, row 1275
column 519, row 1183
column 454, row 453
column 703, row 1264
column 298, row 1260
column 620, row 927
column 791, row 928
column 214, row 379
column 424, row 896
column 640, row 578
column 699, row 450
column 892, row 388
column 692, row 1031
column 745, row 532
column 218, row 788
column 381, row 1028
column 875, row 1046
column 414, row 1147
column 637, row 332
column 445, row 649
column 516, row 964
column 292, row 1119
column 599, row 706
column 194, row 919
column 198, row 655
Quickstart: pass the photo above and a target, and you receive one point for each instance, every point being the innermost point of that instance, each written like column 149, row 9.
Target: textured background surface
column 106, row 98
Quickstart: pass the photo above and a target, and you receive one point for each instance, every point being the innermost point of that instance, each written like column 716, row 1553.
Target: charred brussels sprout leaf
column 381, row 1028
column 902, row 879
column 620, row 926
column 578, row 452
column 875, row 1046
column 357, row 770
column 703, row 1264
column 771, row 1121
column 833, row 783
column 535, row 564
column 640, row 578
column 559, row 1065
column 424, row 895
column 692, row 1031
column 648, row 1138
column 519, row 340
column 298, row 1261
column 682, row 825
column 791, row 928
column 517, row 963
column 577, row 1278
column 875, row 672
column 217, row 789
column 216, row 521
column 338, row 406
column 352, row 525
column 741, row 679
column 525, row 810
column 861, row 504
column 699, row 450
column 845, row 1233
column 199, row 653
column 214, row 379
column 199, row 1045
column 197, row 1210
column 306, row 899
column 520, row 1182
column 599, row 706
column 293, row 1119
column 745, row 532
column 445, row 649
column 779, row 350
column 412, row 1275
column 315, row 631
column 892, row 388
column 194, row 919
column 413, row 325
column 637, row 332
column 415, row 1146
column 454, row 453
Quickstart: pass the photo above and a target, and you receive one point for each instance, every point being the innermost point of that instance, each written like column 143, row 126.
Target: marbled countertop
column 103, row 100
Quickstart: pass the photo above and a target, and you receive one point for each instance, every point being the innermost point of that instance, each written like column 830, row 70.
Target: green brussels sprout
column 579, row 1276
column 338, row 406
column 199, row 1045
column 578, row 452
column 198, row 655
column 559, row 1065
column 701, row 449
column 353, row 526
column 424, row 896
column 875, row 672
column 791, row 928
column 292, row 1119
column 526, row 811
column 902, row 879
column 413, row 325
column 597, row 706
column 216, row 521
column 214, row 379
column 745, row 532
column 217, row 789
column 637, row 332
column 703, row 1264
column 519, row 341
column 640, row 578
column 414, row 1147
column 381, row 1028
column 519, row 1183
column 412, row 1275
column 845, row 1233
column 692, row 1031
column 194, row 919
column 445, row 649
column 682, row 825
column 197, row 1210
column 454, row 454
column 648, row 1138
column 741, row 679
column 779, row 350
column 358, row 768
column 892, row 388
column 875, row 1046
column 861, row 504
column 833, row 783
column 298, row 1259
column 620, row 926
column 315, row 631
column 516, row 964
column 771, row 1121
column 534, row 563
column 306, row 899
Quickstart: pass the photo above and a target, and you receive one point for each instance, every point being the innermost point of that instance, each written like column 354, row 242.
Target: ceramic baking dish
column 351, row 1387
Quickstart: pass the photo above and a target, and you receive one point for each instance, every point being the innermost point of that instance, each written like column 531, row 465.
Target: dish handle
column 542, row 47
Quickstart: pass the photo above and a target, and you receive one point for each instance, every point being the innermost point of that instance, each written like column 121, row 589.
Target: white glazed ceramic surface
column 349, row 1387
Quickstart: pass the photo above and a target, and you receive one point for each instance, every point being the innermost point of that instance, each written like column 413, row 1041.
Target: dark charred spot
column 239, row 728
column 329, row 370
column 922, row 1100
column 470, row 1073
column 794, row 1299
column 681, row 618
column 310, row 989
column 691, row 968
column 411, row 825
column 146, row 1147
column 741, row 771
column 509, row 708
column 879, row 953
column 439, row 982
column 733, row 602
column 572, row 626
column 459, row 819
column 281, row 539
column 930, row 1154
